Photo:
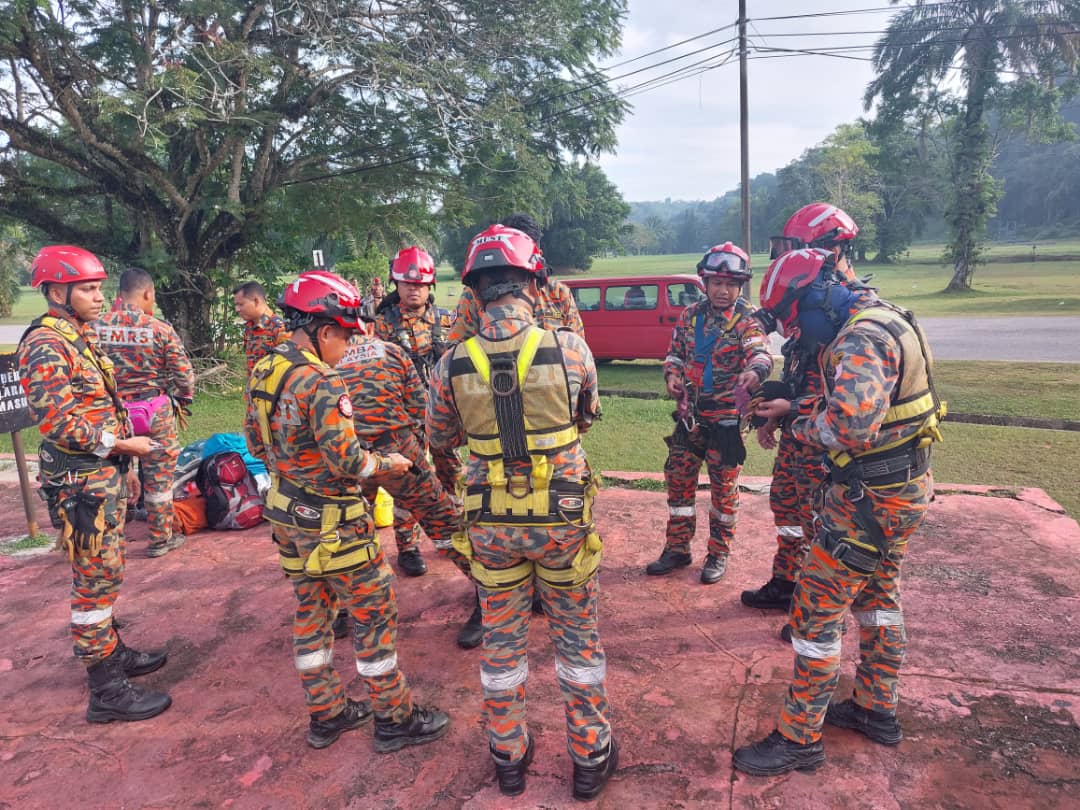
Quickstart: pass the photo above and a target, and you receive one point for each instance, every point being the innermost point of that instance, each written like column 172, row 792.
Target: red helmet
column 725, row 261
column 499, row 247
column 65, row 264
column 815, row 225
column 320, row 294
column 787, row 280
column 414, row 265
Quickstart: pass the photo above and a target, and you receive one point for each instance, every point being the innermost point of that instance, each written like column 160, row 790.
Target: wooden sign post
column 15, row 416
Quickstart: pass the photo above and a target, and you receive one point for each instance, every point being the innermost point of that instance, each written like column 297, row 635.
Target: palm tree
column 982, row 39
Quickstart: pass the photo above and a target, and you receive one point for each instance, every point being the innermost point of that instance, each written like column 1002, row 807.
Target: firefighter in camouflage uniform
column 300, row 422
column 409, row 318
column 875, row 423
column 86, row 446
column 155, row 380
column 528, row 505
column 798, row 471
column 716, row 349
column 388, row 410
column 263, row 329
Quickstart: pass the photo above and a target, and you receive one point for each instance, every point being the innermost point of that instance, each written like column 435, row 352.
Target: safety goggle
column 779, row 245
column 721, row 262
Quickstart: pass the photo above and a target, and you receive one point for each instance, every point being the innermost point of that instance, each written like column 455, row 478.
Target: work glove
column 84, row 523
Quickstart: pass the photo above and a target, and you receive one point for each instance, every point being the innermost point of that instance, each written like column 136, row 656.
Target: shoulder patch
column 364, row 352
column 344, row 406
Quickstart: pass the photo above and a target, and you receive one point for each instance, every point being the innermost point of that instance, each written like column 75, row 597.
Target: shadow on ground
column 991, row 687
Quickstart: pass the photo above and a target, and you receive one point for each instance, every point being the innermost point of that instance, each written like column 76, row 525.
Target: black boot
column 714, row 568
column 341, row 624
column 114, row 697
column 424, row 725
column 322, row 733
column 137, row 663
column 411, row 563
column 773, row 595
column 589, row 780
column 776, row 754
column 668, row 562
column 511, row 775
column 785, row 633
column 471, row 633
column 878, row 726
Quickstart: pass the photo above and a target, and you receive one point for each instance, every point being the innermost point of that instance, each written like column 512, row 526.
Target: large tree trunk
column 186, row 303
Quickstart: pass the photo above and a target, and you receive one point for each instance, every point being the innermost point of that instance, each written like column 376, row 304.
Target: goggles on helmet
column 723, row 263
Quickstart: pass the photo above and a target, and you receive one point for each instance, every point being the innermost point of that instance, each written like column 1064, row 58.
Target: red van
column 631, row 317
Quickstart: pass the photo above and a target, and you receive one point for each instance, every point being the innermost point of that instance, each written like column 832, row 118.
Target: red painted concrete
column 991, row 690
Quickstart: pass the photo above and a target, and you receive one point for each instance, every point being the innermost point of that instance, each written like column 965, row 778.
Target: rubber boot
column 114, row 697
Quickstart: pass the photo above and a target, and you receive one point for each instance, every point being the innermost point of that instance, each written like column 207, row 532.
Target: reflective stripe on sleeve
column 91, row 616
column 373, row 669
column 813, row 649
column 878, row 618
column 314, row 660
column 506, row 679
column 585, row 675
column 369, row 466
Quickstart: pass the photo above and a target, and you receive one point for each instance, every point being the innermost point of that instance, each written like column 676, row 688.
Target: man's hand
column 133, row 488
column 393, row 465
column 775, row 409
column 675, row 386
column 749, row 380
column 135, row 446
column 766, row 435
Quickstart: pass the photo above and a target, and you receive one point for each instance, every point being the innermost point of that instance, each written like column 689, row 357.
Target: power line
column 669, row 47
column 818, row 14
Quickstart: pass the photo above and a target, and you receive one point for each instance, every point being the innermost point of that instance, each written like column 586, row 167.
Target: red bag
column 232, row 497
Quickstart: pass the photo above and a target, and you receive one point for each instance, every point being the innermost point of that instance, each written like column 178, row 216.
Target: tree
column 925, row 42
column 172, row 134
column 586, row 214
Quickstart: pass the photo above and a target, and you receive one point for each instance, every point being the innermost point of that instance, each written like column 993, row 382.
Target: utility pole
column 744, row 130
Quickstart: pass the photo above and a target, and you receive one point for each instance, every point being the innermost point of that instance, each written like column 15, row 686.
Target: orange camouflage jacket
column 261, row 336
column 387, row 393
column 148, row 354
column 555, row 309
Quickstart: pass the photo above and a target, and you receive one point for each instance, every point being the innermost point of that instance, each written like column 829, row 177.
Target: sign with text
column 14, row 409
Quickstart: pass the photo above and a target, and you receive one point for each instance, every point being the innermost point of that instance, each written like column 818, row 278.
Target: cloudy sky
column 682, row 140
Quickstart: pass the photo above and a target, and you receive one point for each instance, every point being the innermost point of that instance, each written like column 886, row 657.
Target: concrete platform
column 991, row 689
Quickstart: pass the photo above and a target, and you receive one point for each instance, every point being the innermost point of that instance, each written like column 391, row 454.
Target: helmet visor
column 779, row 245
column 721, row 262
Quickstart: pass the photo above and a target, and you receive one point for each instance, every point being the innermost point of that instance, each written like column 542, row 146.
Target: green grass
column 25, row 543
column 28, row 307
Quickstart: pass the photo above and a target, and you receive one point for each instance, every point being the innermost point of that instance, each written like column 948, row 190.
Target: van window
column 635, row 296
column 586, row 298
column 683, row 295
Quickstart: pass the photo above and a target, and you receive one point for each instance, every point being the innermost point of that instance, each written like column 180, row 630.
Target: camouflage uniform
column 71, row 402
column 862, row 369
column 388, row 410
column 740, row 344
column 150, row 360
column 798, row 472
column 572, row 610
column 261, row 336
column 416, row 333
column 555, row 309
column 314, row 446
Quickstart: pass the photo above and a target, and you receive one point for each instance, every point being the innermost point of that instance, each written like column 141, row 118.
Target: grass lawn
column 28, row 307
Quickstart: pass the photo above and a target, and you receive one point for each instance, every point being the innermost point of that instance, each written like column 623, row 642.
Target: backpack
column 232, row 498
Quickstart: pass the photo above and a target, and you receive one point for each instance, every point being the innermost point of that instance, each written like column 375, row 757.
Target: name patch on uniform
column 344, row 406
column 364, row 352
column 126, row 335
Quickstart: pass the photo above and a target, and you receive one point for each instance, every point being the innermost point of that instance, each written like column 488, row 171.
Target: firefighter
column 408, row 317
column 86, row 447
column 263, row 328
column 875, row 423
column 300, row 422
column 716, row 349
column 528, row 504
column 155, row 379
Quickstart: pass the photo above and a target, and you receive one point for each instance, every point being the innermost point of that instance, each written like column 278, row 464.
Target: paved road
column 1054, row 339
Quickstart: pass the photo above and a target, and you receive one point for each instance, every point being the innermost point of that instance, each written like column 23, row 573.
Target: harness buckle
column 518, row 487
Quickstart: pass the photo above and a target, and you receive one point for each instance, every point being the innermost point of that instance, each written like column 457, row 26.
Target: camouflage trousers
column 158, row 472
column 827, row 588
column 368, row 595
column 96, row 578
column 572, row 624
column 796, row 478
column 419, row 500
column 681, row 475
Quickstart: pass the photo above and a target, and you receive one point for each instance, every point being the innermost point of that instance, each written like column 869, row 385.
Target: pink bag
column 142, row 413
